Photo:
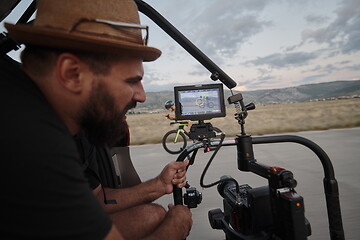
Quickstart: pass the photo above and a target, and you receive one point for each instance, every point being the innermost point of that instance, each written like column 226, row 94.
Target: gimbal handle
column 177, row 192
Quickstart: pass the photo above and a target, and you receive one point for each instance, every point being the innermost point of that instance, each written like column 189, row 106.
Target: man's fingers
column 180, row 182
column 181, row 165
column 180, row 176
column 186, row 162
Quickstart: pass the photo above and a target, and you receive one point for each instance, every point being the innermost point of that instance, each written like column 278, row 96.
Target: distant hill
column 302, row 93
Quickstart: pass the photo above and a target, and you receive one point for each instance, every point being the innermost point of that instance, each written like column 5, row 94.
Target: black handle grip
column 177, row 193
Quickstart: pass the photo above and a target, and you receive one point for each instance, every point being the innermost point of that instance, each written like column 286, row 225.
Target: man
column 82, row 70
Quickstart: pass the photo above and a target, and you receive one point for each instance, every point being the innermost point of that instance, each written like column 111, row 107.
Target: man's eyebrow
column 134, row 79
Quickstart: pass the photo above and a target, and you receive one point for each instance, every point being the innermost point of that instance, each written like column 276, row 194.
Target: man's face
column 103, row 114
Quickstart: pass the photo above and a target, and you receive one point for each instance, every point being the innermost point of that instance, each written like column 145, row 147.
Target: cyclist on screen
column 170, row 106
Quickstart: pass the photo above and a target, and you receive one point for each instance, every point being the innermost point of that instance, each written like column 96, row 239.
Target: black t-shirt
column 88, row 160
column 97, row 164
column 44, row 193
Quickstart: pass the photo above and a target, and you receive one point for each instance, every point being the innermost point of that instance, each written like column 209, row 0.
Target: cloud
column 343, row 32
column 153, row 79
column 344, row 62
column 218, row 41
column 199, row 70
column 331, row 68
column 220, row 29
column 280, row 60
column 311, row 79
column 264, row 81
column 355, row 67
column 316, row 19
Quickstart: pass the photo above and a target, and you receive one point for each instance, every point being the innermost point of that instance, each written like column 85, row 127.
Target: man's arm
column 173, row 173
column 176, row 225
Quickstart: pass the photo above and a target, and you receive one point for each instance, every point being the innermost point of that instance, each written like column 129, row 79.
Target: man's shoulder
column 9, row 68
column 18, row 93
column 15, row 85
column 28, row 118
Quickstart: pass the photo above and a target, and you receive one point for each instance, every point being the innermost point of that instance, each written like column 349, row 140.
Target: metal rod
column 28, row 13
column 164, row 24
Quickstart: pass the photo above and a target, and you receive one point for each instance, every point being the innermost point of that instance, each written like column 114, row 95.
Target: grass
column 267, row 119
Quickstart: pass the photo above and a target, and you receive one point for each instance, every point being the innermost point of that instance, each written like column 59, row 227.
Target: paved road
column 341, row 145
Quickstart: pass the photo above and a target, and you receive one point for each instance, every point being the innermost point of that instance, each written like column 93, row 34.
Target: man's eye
column 134, row 82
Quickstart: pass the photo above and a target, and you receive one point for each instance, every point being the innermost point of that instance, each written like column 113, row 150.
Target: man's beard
column 102, row 123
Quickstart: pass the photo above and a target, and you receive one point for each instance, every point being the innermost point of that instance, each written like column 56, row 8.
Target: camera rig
column 275, row 211
column 243, row 141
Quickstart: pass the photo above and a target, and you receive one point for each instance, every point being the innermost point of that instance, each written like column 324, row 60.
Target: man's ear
column 71, row 72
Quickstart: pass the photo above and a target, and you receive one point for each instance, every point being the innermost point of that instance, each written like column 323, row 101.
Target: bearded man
column 81, row 71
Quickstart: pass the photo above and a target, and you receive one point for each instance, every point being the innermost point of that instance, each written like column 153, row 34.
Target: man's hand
column 173, row 173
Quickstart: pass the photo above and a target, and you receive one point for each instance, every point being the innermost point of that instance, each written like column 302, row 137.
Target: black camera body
column 253, row 214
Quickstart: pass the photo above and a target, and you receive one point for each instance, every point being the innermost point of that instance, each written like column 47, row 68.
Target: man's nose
column 139, row 95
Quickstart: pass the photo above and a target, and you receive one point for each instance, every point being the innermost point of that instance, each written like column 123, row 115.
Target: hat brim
column 43, row 36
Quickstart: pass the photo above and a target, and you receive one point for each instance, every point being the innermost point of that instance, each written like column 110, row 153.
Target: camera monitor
column 199, row 102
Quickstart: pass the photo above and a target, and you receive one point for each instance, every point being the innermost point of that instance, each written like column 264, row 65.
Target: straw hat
column 89, row 25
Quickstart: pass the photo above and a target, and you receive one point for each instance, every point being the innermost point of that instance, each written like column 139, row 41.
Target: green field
column 267, row 119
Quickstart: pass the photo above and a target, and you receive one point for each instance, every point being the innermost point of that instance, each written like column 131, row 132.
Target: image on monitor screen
column 199, row 102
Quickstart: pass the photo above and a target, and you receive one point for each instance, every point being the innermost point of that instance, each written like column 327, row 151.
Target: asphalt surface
column 341, row 145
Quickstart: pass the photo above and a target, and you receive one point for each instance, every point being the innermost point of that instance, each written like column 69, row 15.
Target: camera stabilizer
column 275, row 211
column 246, row 161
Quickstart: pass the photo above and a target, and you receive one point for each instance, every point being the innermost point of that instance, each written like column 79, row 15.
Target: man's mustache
column 131, row 105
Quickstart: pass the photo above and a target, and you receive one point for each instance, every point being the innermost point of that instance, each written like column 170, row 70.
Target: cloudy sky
column 260, row 44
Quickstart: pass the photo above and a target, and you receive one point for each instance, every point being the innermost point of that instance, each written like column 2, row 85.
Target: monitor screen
column 199, row 102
